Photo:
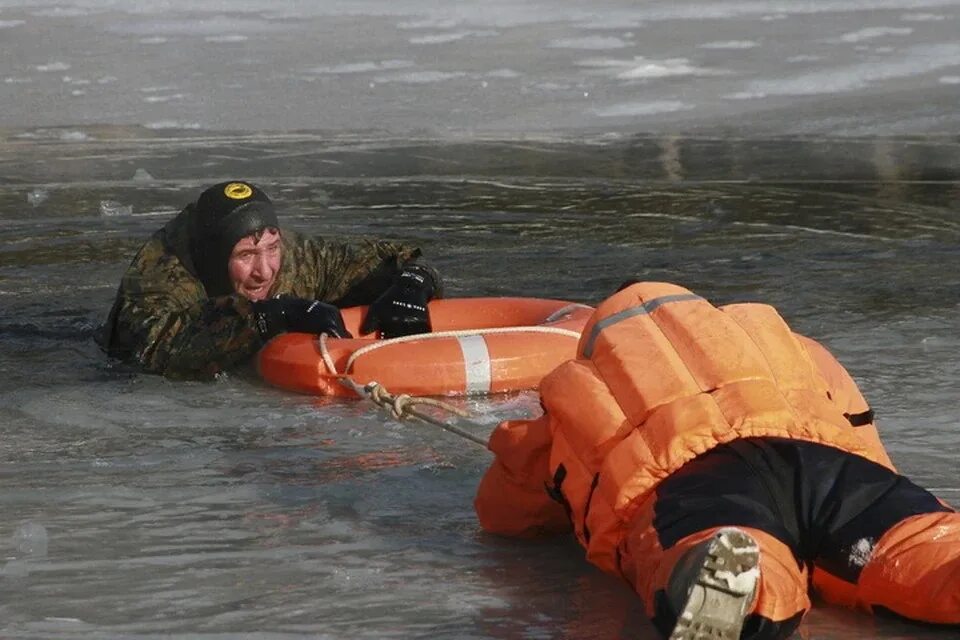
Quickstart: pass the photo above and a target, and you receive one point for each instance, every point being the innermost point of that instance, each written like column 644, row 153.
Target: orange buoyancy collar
column 662, row 376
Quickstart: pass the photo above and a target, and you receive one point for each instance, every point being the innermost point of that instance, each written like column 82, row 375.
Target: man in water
column 715, row 460
column 221, row 278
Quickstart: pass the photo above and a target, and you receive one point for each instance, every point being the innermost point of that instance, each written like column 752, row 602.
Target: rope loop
column 398, row 405
column 401, row 405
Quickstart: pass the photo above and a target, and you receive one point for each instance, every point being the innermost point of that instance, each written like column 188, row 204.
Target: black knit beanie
column 223, row 214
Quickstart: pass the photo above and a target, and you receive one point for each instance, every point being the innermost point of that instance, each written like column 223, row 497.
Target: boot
column 713, row 587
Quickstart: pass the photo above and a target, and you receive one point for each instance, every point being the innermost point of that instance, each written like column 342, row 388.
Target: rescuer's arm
column 512, row 499
column 847, row 396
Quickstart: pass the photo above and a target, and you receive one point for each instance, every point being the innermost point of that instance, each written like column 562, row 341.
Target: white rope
column 402, row 405
column 325, row 354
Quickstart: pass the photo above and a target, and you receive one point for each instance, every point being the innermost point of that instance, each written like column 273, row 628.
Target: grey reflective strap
column 476, row 364
column 647, row 307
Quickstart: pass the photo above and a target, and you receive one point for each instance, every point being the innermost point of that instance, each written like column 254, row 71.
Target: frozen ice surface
column 730, row 44
column 588, row 42
column 112, row 209
column 642, row 108
column 831, row 67
column 37, row 196
column 142, row 175
column 30, row 540
column 875, row 32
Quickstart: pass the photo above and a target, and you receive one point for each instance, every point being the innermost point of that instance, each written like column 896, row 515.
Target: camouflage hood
column 177, row 236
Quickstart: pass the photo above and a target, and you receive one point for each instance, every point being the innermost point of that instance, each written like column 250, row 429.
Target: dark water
column 135, row 507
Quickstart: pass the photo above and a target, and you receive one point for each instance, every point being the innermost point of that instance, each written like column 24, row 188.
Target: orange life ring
column 478, row 345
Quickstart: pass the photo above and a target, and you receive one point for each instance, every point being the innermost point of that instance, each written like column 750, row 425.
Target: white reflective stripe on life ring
column 476, row 363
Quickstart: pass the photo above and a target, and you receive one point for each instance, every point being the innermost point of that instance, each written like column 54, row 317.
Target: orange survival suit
column 730, row 419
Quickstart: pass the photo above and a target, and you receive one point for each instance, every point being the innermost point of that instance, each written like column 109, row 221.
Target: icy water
column 135, row 507
column 805, row 154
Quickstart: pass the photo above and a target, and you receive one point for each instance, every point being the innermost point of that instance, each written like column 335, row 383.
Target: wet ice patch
column 226, row 39
column 60, row 12
column 155, row 99
column 142, row 175
column 30, row 540
column 52, row 66
column 153, row 40
column 14, row 569
column 9, row 24
column 613, row 20
column 588, row 42
column 441, row 38
column 875, row 32
column 477, row 603
column 641, row 108
column 640, row 68
column 421, row 77
column 14, row 80
column 907, row 63
column 499, row 15
column 216, row 25
column 729, row 44
column 114, row 209
column 950, row 80
column 804, row 57
column 745, row 95
column 502, row 73
column 361, row 67
column 553, row 86
column 923, row 17
column 37, row 197
column 171, row 124
column 160, row 94
column 430, row 23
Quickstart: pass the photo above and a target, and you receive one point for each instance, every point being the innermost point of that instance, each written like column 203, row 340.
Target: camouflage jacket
column 164, row 321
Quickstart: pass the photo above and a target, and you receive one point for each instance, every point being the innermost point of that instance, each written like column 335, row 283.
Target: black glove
column 287, row 313
column 401, row 310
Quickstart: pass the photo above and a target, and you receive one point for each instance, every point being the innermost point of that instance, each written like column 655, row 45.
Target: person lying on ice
column 209, row 288
column 713, row 459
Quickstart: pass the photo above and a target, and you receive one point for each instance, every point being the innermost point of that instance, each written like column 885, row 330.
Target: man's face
column 254, row 264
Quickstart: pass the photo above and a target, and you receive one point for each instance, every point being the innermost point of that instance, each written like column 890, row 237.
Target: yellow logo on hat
column 237, row 191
